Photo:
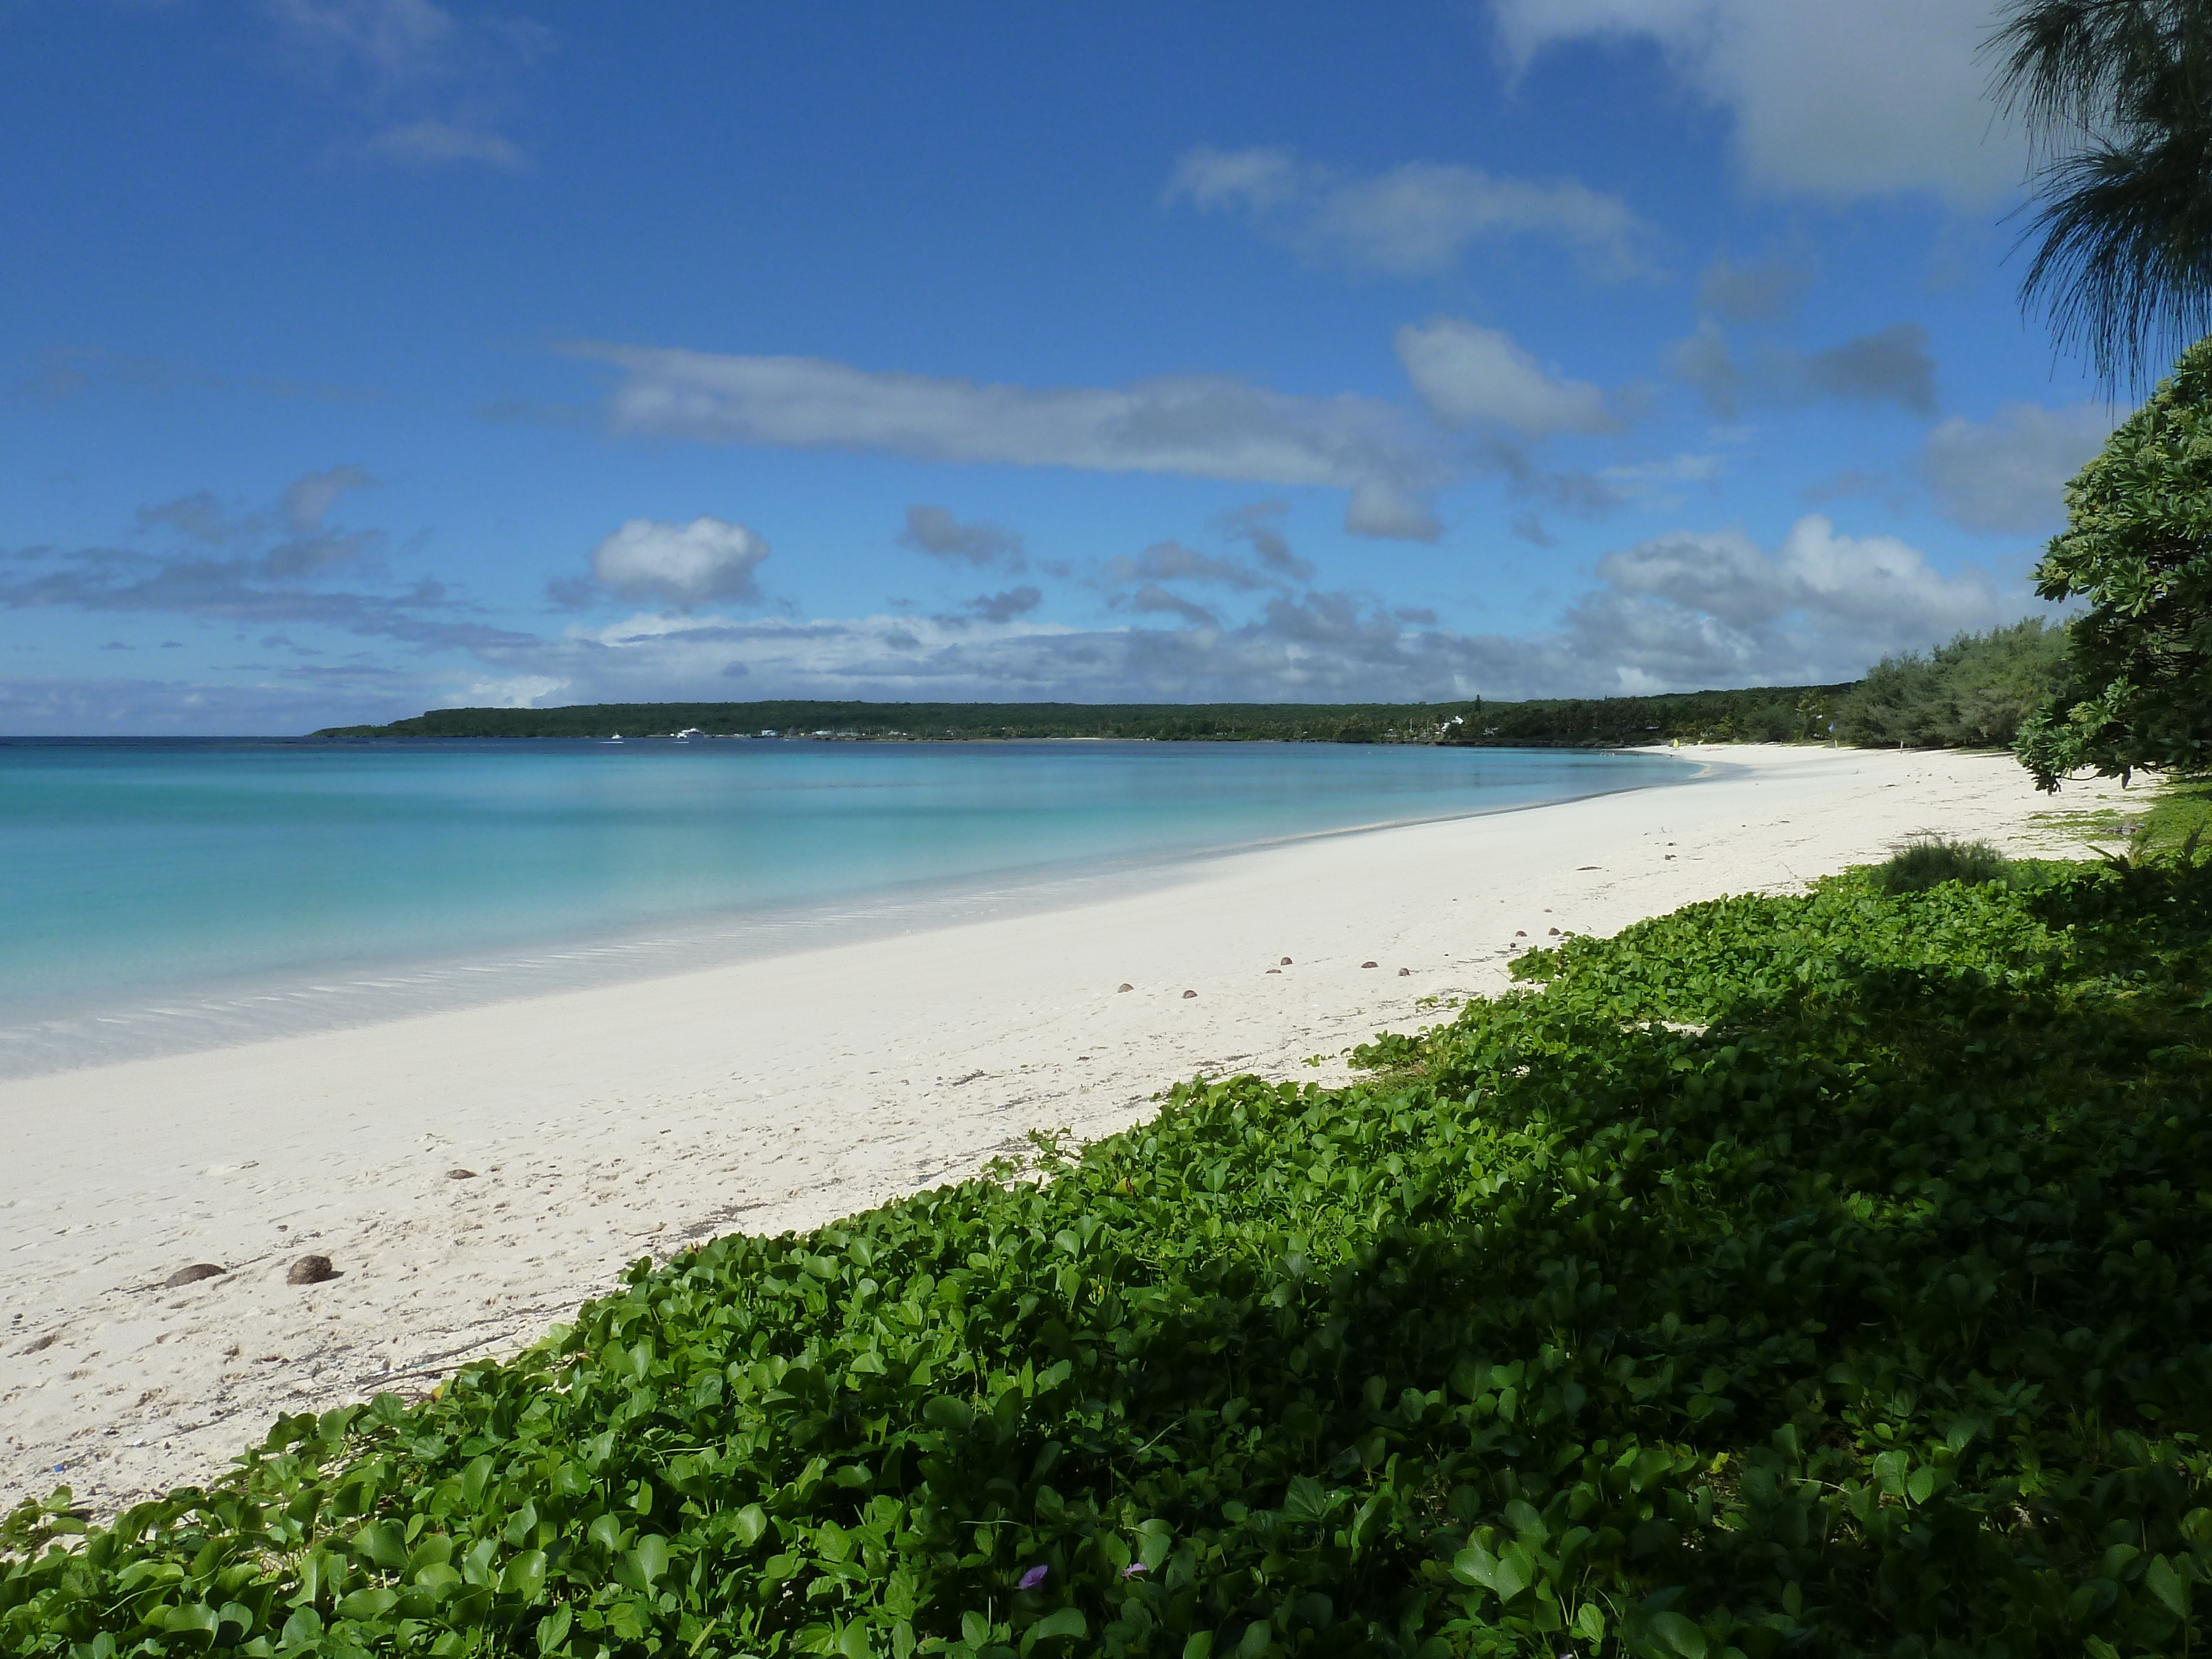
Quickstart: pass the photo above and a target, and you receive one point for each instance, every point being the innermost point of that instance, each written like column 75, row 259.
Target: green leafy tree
column 2117, row 95
column 2138, row 547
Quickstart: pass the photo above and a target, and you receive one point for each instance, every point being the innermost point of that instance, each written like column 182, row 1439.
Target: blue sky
column 360, row 356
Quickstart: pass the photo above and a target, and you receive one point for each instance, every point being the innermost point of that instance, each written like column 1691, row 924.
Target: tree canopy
column 2117, row 94
column 2138, row 546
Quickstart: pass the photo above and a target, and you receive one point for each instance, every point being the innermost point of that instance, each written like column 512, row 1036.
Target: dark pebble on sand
column 1370, row 964
column 1125, row 986
column 311, row 1270
column 461, row 1174
column 1286, row 962
column 1190, row 994
column 1404, row 973
column 193, row 1274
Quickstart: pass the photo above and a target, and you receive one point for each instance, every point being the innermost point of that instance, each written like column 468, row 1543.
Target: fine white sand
column 613, row 1123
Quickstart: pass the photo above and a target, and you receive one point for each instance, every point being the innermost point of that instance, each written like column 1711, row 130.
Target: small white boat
column 616, row 739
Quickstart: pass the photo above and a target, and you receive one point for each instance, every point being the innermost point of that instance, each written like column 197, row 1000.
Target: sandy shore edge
column 475, row 1175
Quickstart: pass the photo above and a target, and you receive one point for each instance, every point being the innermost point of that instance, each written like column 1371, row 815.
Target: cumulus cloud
column 1855, row 580
column 681, row 565
column 1674, row 613
column 1890, row 366
column 1474, row 376
column 1836, row 102
column 1196, row 426
column 1414, row 220
column 934, row 530
column 2004, row 475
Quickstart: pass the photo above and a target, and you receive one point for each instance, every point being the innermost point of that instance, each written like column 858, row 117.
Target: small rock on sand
column 193, row 1274
column 1370, row 964
column 1274, row 970
column 1286, row 962
column 1520, row 933
column 461, row 1174
column 311, row 1270
column 1125, row 986
column 1190, row 994
column 1404, row 973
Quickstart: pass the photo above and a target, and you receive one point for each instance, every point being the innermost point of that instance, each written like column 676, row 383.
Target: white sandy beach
column 605, row 1125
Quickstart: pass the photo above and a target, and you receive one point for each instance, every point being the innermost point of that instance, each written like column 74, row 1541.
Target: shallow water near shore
column 163, row 895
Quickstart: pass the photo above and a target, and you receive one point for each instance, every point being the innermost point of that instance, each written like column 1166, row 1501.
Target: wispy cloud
column 1196, row 426
column 1414, row 220
column 429, row 86
column 282, row 565
column 433, row 142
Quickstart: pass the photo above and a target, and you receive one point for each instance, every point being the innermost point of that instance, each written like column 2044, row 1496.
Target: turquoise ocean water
column 156, row 895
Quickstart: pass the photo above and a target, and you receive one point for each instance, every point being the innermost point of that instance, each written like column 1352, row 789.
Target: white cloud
column 2004, row 475
column 1821, row 606
column 1473, row 376
column 1834, row 101
column 1675, row 613
column 681, row 564
column 1415, row 219
column 433, row 142
column 1197, row 426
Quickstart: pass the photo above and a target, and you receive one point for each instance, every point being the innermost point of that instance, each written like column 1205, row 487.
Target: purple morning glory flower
column 1133, row 1569
column 1033, row 1577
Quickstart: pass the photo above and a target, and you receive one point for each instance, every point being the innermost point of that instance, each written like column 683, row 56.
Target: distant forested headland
column 1972, row 692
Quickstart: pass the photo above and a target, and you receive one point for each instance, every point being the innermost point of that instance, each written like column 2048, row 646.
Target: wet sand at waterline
column 472, row 1176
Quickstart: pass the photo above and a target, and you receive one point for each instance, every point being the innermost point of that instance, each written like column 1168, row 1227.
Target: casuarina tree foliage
column 2138, row 546
column 2118, row 95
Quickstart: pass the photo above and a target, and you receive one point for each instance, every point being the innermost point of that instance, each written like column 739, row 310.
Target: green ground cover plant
column 1825, row 1275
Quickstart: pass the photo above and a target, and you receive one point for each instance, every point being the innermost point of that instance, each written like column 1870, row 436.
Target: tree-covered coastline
column 1974, row 692
column 1759, row 714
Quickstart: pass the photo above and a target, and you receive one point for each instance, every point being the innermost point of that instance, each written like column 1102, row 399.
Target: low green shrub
column 1826, row 1275
column 1930, row 860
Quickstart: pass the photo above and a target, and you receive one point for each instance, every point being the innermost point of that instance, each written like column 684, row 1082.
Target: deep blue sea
column 159, row 894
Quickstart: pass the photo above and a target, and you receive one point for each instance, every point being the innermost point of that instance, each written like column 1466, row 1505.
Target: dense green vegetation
column 1783, row 713
column 1765, row 714
column 1825, row 1275
column 2137, row 545
column 1292, row 722
column 1973, row 693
